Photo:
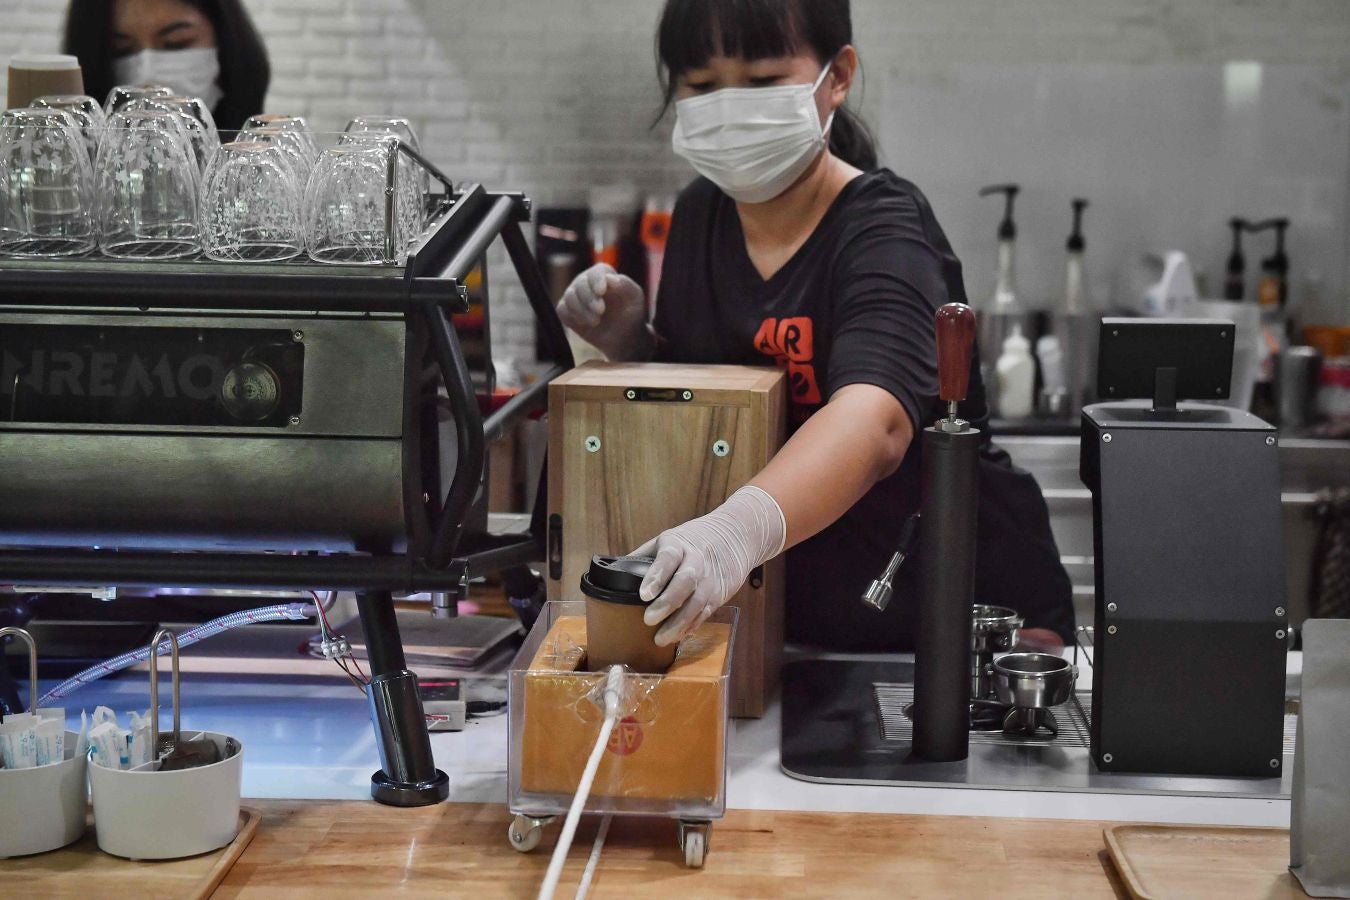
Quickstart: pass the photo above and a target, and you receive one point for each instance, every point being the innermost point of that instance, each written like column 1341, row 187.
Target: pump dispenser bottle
column 1005, row 309
column 1235, row 280
column 1075, row 292
column 1273, row 296
column 1075, row 325
column 1274, row 289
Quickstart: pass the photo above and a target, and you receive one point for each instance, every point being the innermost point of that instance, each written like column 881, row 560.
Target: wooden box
column 638, row 448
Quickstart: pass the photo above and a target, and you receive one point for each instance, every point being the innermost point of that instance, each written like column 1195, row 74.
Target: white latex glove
column 606, row 309
column 702, row 563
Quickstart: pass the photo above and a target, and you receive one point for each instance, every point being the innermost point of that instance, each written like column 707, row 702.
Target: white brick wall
column 554, row 96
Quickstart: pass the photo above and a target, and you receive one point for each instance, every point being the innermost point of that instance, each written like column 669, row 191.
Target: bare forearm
column 854, row 441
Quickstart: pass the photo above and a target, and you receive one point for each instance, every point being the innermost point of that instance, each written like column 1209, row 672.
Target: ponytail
column 851, row 140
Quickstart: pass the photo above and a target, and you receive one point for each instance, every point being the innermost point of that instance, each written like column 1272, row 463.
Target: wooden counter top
column 348, row 849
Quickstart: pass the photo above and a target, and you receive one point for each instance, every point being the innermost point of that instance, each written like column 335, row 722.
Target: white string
column 613, row 691
column 594, row 861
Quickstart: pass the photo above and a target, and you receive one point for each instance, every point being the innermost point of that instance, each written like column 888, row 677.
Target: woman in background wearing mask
column 200, row 48
column 795, row 249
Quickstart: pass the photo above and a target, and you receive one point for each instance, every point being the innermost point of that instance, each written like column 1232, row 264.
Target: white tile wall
column 554, row 96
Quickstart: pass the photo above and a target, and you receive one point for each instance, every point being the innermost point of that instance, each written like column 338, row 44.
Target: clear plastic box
column 666, row 757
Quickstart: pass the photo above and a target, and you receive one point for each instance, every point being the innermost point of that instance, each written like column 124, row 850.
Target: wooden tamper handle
column 955, row 326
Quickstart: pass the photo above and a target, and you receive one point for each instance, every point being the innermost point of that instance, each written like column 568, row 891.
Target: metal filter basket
column 1034, row 680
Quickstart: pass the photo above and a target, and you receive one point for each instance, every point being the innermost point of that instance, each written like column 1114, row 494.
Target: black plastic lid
column 616, row 579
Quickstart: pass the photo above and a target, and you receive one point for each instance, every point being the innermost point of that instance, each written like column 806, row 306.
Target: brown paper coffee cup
column 31, row 77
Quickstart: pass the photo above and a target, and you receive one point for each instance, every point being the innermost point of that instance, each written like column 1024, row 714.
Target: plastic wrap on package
column 636, row 702
column 667, row 753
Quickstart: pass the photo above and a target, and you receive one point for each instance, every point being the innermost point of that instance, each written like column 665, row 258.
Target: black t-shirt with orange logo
column 855, row 305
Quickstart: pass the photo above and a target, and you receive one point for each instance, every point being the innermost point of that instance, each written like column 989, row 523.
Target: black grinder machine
column 1191, row 628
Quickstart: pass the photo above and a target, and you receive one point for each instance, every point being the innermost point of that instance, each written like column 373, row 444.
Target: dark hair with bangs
column 693, row 31
column 244, row 72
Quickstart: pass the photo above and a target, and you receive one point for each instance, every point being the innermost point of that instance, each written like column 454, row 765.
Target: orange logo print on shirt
column 791, row 343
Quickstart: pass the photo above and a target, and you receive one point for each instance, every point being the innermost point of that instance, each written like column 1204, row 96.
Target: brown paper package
column 672, row 746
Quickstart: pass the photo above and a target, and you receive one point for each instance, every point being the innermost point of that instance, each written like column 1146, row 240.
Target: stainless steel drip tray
column 843, row 723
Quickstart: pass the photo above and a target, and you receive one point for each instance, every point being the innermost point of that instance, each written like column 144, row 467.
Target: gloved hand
column 702, row 563
column 606, row 309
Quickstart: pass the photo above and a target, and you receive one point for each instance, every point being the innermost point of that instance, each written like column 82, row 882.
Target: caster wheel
column 525, row 833
column 694, row 837
column 695, row 851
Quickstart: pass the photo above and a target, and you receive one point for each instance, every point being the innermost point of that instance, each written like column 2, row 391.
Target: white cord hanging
column 613, row 695
column 591, row 864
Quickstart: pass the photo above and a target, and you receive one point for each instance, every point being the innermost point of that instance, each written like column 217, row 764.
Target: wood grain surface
column 351, row 849
column 82, row 871
column 1197, row 862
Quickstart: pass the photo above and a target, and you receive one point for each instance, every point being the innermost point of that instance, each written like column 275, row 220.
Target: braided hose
column 279, row 613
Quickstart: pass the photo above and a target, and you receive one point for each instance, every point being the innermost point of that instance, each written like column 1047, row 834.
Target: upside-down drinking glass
column 147, row 187
column 402, row 129
column 350, row 217
column 251, row 205
column 409, row 175
column 202, row 141
column 46, row 185
column 304, row 138
column 86, row 112
column 123, row 94
column 290, row 144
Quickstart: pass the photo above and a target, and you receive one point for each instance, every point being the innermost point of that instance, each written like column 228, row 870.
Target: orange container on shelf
column 1330, row 340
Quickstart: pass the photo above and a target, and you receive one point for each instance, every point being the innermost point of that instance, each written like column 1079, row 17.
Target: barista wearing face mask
column 200, row 48
column 794, row 249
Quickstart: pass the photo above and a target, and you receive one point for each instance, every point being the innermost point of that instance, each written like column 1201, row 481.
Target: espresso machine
column 266, row 427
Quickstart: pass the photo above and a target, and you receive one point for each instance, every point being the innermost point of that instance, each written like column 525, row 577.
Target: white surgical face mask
column 753, row 143
column 194, row 72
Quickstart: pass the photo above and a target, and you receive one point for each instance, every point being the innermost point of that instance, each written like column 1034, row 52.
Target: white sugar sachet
column 139, row 751
column 109, row 745
column 82, row 742
column 50, row 738
column 18, row 741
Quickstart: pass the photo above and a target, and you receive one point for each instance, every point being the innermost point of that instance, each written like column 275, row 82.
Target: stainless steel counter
column 1307, row 466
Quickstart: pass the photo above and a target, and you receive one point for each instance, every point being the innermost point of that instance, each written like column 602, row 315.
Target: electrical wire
column 591, row 864
column 282, row 612
column 613, row 694
column 329, row 636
